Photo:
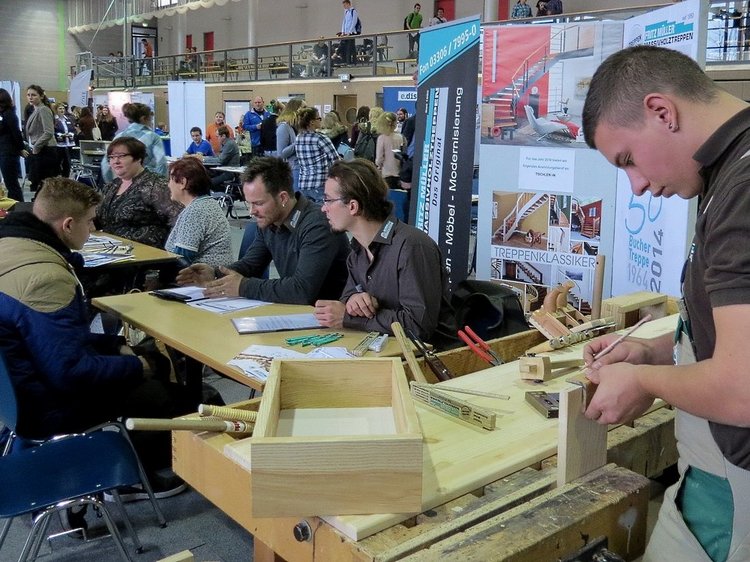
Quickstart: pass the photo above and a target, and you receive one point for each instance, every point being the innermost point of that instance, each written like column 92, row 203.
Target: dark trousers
column 42, row 166
column 348, row 50
column 220, row 178
column 413, row 42
column 63, row 159
column 10, row 167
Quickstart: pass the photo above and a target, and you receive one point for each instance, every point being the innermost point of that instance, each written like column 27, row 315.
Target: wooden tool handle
column 406, row 349
column 226, row 413
column 157, row 424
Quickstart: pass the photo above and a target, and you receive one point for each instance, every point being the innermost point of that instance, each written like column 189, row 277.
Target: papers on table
column 101, row 250
column 194, row 297
column 255, row 361
column 257, row 324
column 227, row 304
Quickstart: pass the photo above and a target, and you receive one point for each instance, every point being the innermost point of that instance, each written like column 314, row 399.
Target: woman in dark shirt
column 11, row 145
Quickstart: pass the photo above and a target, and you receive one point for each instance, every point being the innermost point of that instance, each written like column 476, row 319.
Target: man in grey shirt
column 396, row 271
column 310, row 259
column 229, row 156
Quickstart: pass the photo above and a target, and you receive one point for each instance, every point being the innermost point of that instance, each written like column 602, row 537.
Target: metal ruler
column 453, row 406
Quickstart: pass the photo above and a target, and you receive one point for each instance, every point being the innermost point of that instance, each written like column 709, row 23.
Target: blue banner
column 445, row 139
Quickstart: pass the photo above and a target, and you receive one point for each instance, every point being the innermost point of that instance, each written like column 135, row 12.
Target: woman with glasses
column 140, row 117
column 315, row 154
column 137, row 204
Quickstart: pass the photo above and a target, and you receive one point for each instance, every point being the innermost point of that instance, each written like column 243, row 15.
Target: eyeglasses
column 117, row 157
column 327, row 202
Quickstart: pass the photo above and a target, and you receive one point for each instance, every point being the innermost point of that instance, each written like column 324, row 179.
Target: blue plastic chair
column 63, row 473
column 37, row 475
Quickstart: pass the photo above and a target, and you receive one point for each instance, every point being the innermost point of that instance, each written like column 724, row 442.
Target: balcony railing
column 382, row 54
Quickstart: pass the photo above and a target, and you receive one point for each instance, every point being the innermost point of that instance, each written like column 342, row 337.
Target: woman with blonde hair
column 286, row 134
column 333, row 129
column 388, row 141
column 375, row 114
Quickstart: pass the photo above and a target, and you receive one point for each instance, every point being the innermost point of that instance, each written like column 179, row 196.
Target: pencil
column 619, row 340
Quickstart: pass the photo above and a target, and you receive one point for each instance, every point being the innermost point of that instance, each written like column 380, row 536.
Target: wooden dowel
column 226, row 413
column 157, row 424
column 619, row 340
column 596, row 297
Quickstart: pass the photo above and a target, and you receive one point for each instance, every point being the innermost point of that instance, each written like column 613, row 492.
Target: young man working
column 229, row 156
column 199, row 145
column 310, row 259
column 655, row 114
column 66, row 378
column 396, row 272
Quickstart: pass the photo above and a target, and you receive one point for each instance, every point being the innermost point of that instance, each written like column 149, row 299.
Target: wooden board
column 582, row 443
column 610, row 501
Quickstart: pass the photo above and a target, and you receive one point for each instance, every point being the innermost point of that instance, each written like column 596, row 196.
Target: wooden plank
column 611, row 501
column 582, row 443
column 406, row 348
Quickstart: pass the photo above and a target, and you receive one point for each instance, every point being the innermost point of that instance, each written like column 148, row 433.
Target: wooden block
column 546, row 323
column 610, row 501
column 184, row 556
column 356, row 450
column 582, row 443
column 540, row 367
column 629, row 309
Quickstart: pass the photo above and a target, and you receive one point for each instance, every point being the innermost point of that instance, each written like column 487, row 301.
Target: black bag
column 358, row 27
column 490, row 309
column 406, row 22
column 367, row 143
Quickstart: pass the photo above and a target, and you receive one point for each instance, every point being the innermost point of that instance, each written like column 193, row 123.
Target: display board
column 187, row 109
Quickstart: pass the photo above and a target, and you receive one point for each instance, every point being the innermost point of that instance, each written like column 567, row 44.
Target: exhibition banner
column 652, row 234
column 445, row 139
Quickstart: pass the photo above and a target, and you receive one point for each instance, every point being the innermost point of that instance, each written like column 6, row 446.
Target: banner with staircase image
column 548, row 204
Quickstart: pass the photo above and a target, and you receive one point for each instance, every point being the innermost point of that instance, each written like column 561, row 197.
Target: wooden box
column 333, row 438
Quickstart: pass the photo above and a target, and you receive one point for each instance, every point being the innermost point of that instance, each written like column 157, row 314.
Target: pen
column 619, row 340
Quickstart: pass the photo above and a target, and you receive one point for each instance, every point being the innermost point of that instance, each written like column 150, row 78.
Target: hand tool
column 479, row 346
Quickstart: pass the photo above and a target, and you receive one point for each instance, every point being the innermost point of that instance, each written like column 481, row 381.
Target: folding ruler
column 455, row 407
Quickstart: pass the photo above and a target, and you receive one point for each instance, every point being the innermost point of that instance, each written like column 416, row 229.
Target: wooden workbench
column 461, row 461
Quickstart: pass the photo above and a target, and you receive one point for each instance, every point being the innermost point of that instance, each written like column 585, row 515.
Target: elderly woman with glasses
column 137, row 204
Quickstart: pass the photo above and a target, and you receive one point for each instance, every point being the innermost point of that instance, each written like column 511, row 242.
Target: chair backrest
column 8, row 404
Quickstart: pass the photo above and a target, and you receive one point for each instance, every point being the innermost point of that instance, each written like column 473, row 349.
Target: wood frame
column 341, row 475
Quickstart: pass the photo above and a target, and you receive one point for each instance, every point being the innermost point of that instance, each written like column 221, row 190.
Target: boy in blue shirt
column 199, row 145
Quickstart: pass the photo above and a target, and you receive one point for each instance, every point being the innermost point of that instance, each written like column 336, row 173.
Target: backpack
column 406, row 22
column 345, row 151
column 489, row 308
column 358, row 27
column 367, row 143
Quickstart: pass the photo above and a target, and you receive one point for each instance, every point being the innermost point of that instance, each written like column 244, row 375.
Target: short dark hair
column 61, row 197
column 275, row 173
column 196, row 129
column 626, row 77
column 133, row 146
column 359, row 180
column 192, row 170
column 223, row 131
